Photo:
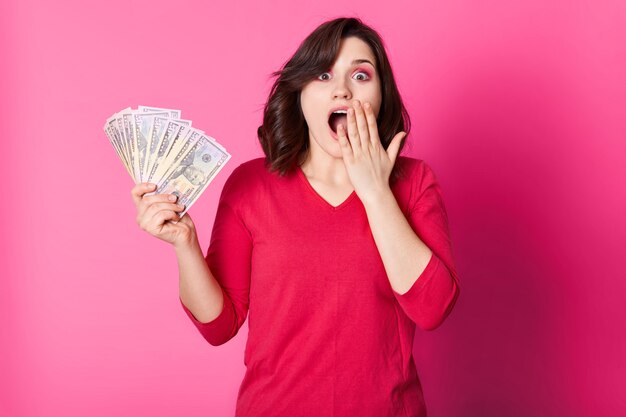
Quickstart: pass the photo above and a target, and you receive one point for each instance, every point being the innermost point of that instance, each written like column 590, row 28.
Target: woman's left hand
column 368, row 164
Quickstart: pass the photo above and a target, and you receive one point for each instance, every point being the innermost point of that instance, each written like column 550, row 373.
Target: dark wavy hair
column 284, row 132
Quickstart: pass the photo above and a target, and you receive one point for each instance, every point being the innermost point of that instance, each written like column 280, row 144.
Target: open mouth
column 336, row 119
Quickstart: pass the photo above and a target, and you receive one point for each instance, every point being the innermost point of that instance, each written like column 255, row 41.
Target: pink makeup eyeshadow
column 368, row 72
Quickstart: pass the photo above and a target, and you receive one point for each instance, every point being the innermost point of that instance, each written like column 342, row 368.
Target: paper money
column 169, row 145
column 155, row 145
column 197, row 166
column 144, row 123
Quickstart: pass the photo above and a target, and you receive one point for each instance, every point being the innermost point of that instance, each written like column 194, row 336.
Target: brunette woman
column 334, row 245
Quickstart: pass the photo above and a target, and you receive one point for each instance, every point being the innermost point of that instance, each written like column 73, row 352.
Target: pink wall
column 518, row 106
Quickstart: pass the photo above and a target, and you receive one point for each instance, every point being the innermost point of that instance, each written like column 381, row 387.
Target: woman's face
column 351, row 78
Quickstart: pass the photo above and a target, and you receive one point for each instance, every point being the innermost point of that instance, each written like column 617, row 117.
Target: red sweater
column 327, row 335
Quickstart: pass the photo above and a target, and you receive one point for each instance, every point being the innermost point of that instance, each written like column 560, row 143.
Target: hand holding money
column 158, row 147
column 154, row 211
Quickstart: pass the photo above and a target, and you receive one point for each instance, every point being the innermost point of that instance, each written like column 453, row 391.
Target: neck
column 325, row 168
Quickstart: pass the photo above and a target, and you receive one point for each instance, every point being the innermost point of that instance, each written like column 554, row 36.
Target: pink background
column 518, row 106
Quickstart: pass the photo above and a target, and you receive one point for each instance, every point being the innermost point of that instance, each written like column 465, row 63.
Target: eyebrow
column 361, row 61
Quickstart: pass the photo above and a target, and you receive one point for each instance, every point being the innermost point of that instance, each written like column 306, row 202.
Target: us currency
column 129, row 134
column 174, row 114
column 116, row 127
column 163, row 131
column 119, row 126
column 178, row 142
column 196, row 168
column 112, row 134
column 176, row 132
column 113, row 137
column 179, row 150
column 158, row 128
column 182, row 142
column 143, row 123
column 156, row 146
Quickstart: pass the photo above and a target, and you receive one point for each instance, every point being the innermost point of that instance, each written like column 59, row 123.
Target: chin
column 335, row 151
column 329, row 145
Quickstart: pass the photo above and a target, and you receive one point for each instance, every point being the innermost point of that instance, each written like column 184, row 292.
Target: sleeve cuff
column 218, row 330
column 431, row 298
column 429, row 271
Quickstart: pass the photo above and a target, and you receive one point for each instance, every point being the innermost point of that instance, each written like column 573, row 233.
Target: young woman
column 335, row 246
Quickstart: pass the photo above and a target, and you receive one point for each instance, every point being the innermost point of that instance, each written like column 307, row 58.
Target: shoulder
column 244, row 174
column 415, row 171
column 244, row 179
column 417, row 176
column 253, row 166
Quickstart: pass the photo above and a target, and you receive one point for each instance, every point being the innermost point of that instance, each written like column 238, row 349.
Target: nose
column 341, row 90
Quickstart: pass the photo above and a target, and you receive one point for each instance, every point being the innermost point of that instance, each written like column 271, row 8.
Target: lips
column 334, row 109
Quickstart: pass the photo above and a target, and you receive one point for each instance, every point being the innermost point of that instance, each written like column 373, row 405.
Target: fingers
column 372, row 125
column 156, row 214
column 140, row 189
column 353, row 132
column 362, row 127
column 159, row 214
column 158, row 198
column 186, row 220
column 149, row 205
column 154, row 210
column 156, row 207
column 160, row 217
column 344, row 142
column 142, row 199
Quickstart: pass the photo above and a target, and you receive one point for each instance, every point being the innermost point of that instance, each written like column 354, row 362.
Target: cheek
column 376, row 109
column 376, row 102
column 305, row 107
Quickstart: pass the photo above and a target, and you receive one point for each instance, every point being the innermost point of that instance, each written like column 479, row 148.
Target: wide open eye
column 367, row 76
column 319, row 78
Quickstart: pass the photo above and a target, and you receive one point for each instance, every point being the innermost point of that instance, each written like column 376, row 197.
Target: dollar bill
column 196, row 168
column 174, row 114
column 176, row 132
column 119, row 126
column 163, row 131
column 159, row 125
column 180, row 149
column 156, row 146
column 113, row 138
column 143, row 123
column 129, row 135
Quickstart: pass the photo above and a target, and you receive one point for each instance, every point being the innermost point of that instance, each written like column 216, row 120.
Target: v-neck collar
column 345, row 202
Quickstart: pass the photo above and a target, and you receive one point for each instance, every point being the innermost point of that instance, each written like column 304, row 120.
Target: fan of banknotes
column 157, row 146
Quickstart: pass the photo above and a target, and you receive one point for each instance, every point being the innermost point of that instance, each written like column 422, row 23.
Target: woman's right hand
column 154, row 211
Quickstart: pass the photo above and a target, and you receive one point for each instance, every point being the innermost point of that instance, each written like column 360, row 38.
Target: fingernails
column 172, row 197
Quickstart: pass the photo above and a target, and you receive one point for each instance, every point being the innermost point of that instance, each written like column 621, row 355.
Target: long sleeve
column 431, row 298
column 228, row 258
